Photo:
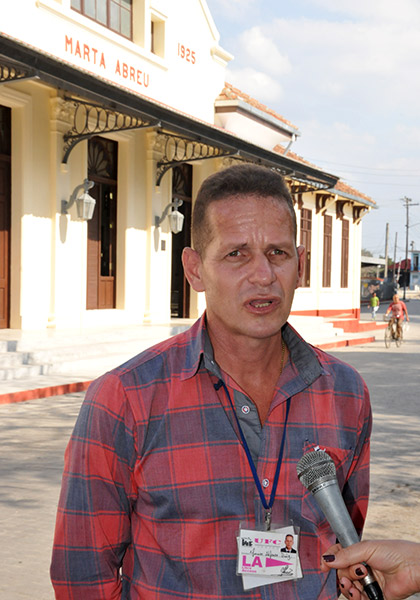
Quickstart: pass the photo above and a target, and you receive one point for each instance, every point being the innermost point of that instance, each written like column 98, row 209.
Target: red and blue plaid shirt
column 156, row 479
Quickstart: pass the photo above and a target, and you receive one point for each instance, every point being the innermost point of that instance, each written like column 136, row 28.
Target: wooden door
column 102, row 228
column 180, row 288
column 5, row 210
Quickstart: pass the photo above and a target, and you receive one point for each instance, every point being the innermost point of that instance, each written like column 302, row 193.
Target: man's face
column 250, row 267
column 289, row 542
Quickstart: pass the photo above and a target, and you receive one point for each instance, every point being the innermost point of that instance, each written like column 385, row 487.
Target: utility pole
column 407, row 203
column 386, row 252
column 395, row 256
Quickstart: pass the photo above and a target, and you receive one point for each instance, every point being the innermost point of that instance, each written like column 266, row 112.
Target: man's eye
column 278, row 252
column 234, row 253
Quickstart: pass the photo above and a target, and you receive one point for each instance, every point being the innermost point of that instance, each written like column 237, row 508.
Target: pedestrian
column 396, row 565
column 194, row 443
column 374, row 305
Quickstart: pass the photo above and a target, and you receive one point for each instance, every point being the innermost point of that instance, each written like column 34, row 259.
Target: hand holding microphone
column 396, row 564
column 316, row 471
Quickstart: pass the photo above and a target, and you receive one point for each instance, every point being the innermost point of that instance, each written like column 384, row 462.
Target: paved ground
column 393, row 378
column 34, row 434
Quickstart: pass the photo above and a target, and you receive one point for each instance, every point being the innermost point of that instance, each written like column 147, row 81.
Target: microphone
column 316, row 471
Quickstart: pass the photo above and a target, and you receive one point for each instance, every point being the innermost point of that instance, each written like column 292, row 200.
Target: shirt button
column 245, row 409
column 266, row 482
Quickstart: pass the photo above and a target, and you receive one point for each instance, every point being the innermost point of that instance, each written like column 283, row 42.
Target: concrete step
column 12, row 359
column 349, row 325
column 87, row 353
column 23, row 372
column 315, row 329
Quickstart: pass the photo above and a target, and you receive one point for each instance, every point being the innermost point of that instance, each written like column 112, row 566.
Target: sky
column 347, row 74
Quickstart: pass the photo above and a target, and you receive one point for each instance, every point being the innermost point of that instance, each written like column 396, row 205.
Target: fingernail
column 359, row 572
column 329, row 557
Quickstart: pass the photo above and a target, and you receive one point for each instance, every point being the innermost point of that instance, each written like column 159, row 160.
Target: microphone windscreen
column 315, row 465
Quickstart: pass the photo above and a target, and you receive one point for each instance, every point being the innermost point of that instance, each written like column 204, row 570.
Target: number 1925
column 186, row 53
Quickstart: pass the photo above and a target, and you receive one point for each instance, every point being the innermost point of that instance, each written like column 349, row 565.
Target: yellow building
column 129, row 106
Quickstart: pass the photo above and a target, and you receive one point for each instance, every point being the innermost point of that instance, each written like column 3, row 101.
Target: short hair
column 244, row 179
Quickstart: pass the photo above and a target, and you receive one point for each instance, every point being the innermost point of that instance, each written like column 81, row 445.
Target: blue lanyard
column 267, row 506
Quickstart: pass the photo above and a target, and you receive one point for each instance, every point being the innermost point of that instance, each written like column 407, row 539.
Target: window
column 326, row 263
column 345, row 241
column 306, row 240
column 157, row 37
column 114, row 14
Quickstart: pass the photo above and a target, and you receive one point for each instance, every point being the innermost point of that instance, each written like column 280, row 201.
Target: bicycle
column 391, row 332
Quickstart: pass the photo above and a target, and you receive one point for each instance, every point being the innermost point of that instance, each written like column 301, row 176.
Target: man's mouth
column 261, row 303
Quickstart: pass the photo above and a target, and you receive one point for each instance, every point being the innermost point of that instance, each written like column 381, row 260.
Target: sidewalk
column 41, row 364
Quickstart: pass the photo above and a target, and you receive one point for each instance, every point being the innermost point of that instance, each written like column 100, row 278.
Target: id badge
column 266, row 557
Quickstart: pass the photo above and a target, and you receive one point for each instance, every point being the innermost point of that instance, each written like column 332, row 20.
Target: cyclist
column 398, row 309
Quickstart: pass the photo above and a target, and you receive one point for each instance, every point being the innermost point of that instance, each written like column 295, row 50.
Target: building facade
column 415, row 270
column 126, row 103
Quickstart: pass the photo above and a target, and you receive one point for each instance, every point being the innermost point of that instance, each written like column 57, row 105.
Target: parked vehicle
column 384, row 289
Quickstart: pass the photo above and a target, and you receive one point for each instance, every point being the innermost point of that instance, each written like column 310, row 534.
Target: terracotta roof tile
column 340, row 186
column 229, row 92
column 344, row 187
column 281, row 150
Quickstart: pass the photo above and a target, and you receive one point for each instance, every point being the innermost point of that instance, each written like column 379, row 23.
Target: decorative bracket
column 178, row 150
column 358, row 212
column 91, row 119
column 321, row 203
column 339, row 208
column 13, row 72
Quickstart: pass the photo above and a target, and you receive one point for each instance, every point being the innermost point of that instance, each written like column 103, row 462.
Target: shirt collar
column 199, row 352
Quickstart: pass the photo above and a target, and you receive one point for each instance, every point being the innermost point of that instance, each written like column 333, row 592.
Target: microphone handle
column 371, row 586
column 330, row 500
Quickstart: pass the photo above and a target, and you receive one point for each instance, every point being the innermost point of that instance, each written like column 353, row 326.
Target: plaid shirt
column 156, row 480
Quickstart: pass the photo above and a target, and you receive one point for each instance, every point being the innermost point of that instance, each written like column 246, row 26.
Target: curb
column 346, row 343
column 44, row 392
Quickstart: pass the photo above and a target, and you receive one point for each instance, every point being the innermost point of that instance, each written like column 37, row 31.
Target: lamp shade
column 176, row 221
column 85, row 206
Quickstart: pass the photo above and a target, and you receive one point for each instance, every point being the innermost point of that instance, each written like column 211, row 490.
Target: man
column 398, row 309
column 177, row 450
column 288, row 540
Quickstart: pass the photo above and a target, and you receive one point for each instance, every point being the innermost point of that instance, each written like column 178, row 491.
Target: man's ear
column 301, row 262
column 191, row 261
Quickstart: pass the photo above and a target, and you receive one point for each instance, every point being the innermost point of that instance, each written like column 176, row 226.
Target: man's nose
column 261, row 271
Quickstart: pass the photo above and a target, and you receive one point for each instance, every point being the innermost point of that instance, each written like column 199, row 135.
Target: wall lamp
column 176, row 219
column 85, row 203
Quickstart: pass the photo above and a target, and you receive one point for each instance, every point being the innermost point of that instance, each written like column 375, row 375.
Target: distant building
column 414, row 270
column 134, row 100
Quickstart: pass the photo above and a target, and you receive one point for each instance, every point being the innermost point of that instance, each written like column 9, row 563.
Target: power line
column 364, row 167
column 403, row 183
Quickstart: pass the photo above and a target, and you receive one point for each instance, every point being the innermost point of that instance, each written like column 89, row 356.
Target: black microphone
column 316, row 471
